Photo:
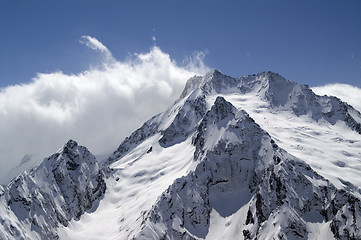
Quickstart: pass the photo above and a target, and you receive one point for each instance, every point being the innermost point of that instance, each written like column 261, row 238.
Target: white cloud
column 345, row 92
column 98, row 107
column 196, row 62
column 94, row 44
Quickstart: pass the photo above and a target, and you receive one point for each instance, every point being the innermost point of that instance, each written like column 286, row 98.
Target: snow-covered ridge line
column 281, row 94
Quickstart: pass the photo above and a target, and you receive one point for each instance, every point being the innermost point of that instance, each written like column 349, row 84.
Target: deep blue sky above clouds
column 312, row 42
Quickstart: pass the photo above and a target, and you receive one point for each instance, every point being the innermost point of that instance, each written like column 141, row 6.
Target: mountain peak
column 221, row 106
column 278, row 92
column 197, row 81
column 270, row 74
column 217, row 82
column 63, row 187
column 216, row 73
column 71, row 144
column 214, row 81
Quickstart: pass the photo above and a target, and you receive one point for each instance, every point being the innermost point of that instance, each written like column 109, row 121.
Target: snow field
column 334, row 151
column 139, row 179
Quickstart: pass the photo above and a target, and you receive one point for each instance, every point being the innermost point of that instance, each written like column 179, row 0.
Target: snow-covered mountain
column 257, row 157
column 61, row 188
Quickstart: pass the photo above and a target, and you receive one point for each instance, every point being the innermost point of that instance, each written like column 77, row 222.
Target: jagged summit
column 221, row 107
column 63, row 187
column 268, row 85
column 72, row 154
column 71, row 144
column 218, row 82
column 214, row 79
column 279, row 93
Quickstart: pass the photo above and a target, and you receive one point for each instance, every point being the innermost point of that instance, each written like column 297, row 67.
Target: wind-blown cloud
column 98, row 107
column 94, row 44
column 345, row 92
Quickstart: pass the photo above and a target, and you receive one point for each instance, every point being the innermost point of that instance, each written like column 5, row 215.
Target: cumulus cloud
column 347, row 93
column 98, row 107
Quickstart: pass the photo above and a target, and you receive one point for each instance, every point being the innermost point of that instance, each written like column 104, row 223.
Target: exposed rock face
column 62, row 188
column 185, row 121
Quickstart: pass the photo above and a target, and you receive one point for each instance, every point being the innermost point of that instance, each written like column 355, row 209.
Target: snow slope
column 255, row 157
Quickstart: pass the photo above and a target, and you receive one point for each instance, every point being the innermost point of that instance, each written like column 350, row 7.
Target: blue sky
column 311, row 42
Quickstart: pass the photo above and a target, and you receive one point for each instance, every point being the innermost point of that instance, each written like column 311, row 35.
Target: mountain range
column 254, row 157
